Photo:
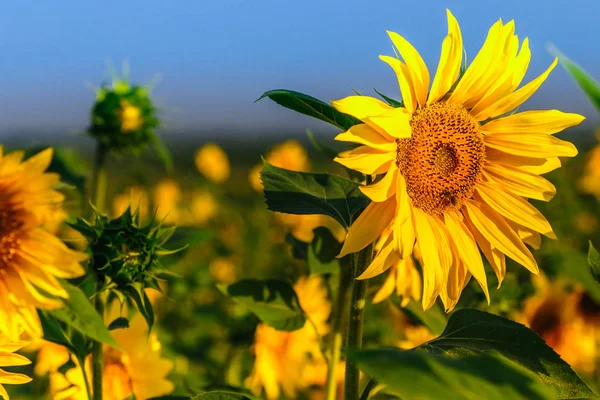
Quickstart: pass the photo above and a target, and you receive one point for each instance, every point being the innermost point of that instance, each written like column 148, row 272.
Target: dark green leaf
column 312, row 107
column 302, row 193
column 119, row 323
column 473, row 332
column 70, row 364
column 594, row 262
column 79, row 313
column 222, row 395
column 434, row 318
column 389, row 100
column 136, row 292
column 53, row 331
column 273, row 301
column 412, row 375
column 588, row 84
column 322, row 252
column 299, row 248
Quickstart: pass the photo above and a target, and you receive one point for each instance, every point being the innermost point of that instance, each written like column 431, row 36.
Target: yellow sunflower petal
column 532, row 165
column 520, row 182
column 537, row 145
column 361, row 106
column 494, row 256
column 384, row 188
column 382, row 261
column 467, row 249
column 395, row 123
column 387, row 288
column 546, row 121
column 529, row 236
column 416, row 66
column 404, row 233
column 515, row 208
column 365, row 135
column 496, row 230
column 517, row 98
column 409, row 97
column 12, row 360
column 368, row 226
column 367, row 160
column 450, row 61
column 9, row 378
column 432, row 259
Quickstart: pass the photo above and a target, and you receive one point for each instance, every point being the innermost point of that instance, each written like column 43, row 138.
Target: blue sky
column 216, row 57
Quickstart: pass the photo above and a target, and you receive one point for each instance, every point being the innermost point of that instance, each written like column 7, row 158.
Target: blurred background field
column 215, row 60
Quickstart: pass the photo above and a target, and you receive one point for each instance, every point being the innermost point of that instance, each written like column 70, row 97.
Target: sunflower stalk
column 360, row 261
column 335, row 346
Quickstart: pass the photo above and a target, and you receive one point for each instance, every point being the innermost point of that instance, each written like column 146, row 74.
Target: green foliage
column 273, row 301
column 434, row 319
column 412, row 375
column 389, row 100
column 472, row 332
column 295, row 192
column 594, row 262
column 119, row 323
column 222, row 395
column 588, row 84
column 322, row 252
column 80, row 314
column 305, row 104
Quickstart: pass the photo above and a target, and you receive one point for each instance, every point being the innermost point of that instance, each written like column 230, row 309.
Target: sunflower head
column 123, row 116
column 455, row 164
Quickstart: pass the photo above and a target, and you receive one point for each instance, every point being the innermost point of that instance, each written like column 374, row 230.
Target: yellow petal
column 467, row 250
column 368, row 161
column 395, row 123
column 494, row 256
column 533, row 165
column 416, row 66
column 404, row 233
column 365, row 135
column 517, row 98
column 537, row 145
column 368, row 226
column 387, row 288
column 361, row 106
column 519, row 182
column 384, row 188
column 450, row 61
column 546, row 121
column 515, row 208
column 495, row 230
column 382, row 261
column 404, row 81
column 527, row 235
column 9, row 378
column 433, row 272
column 11, row 360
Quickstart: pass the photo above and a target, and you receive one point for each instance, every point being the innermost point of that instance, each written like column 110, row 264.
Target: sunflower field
column 441, row 245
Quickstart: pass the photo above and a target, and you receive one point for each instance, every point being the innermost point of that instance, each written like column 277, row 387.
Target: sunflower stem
column 355, row 321
column 98, row 183
column 335, row 346
column 86, row 379
column 97, row 351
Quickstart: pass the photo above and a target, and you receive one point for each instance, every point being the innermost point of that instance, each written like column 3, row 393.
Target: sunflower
column 212, row 162
column 8, row 347
column 31, row 258
column 456, row 163
column 139, row 370
column 292, row 361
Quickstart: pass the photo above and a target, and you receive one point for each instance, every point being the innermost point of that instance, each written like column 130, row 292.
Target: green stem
column 355, row 321
column 98, row 183
column 343, row 295
column 88, row 390
column 97, row 351
column 367, row 390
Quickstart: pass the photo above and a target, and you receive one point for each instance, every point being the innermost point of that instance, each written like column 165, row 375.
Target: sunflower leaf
column 389, row 100
column 273, row 301
column 589, row 85
column 412, row 375
column 594, row 262
column 472, row 332
column 308, row 105
column 303, row 193
column 223, row 395
column 322, row 252
column 79, row 313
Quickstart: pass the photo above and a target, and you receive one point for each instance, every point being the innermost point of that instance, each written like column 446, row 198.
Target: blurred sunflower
column 167, row 194
column 569, row 321
column 8, row 347
column 590, row 181
column 289, row 155
column 134, row 196
column 31, row 258
column 287, row 361
column 456, row 164
column 212, row 162
column 203, row 207
column 139, row 370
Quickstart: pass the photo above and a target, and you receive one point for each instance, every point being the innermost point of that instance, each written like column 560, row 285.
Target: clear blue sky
column 217, row 57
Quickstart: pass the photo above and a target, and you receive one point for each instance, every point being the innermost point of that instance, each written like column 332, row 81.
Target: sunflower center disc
column 443, row 159
column 9, row 239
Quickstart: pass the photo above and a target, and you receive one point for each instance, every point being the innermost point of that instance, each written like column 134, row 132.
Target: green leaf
column 594, row 262
column 119, row 323
column 389, row 100
column 574, row 264
column 588, row 84
column 136, row 292
column 472, row 332
column 322, row 252
column 303, row 193
column 305, row 104
column 222, row 395
column 434, row 319
column 70, row 364
column 273, row 301
column 299, row 248
column 412, row 375
column 53, row 331
column 79, row 313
